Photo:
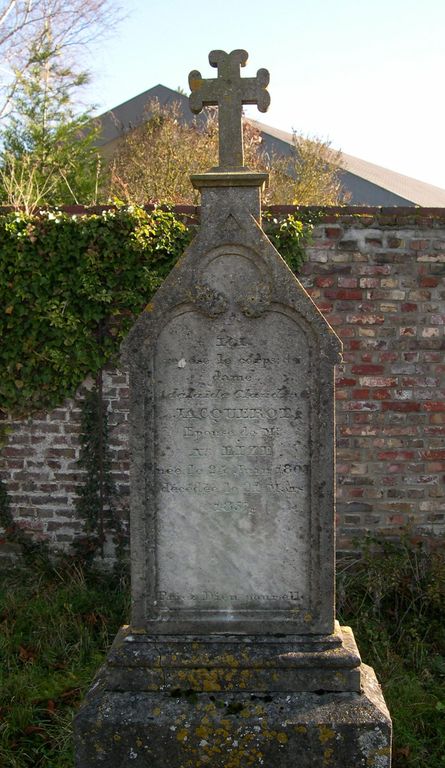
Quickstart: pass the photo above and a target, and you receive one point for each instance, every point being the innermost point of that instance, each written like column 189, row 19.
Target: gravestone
column 233, row 656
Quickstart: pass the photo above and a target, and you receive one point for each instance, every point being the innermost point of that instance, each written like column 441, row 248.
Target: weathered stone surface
column 232, row 492
column 216, row 663
column 229, row 92
column 235, row 730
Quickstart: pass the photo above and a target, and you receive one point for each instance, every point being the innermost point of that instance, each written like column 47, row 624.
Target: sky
column 366, row 76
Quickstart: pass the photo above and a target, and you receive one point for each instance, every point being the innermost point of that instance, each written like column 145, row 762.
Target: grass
column 57, row 622
column 394, row 599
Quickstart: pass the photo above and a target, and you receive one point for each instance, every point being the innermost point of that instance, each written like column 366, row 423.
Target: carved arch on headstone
column 251, row 287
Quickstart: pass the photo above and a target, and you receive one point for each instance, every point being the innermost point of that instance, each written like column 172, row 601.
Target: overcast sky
column 367, row 76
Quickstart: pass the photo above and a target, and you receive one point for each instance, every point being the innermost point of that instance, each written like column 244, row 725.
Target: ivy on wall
column 95, row 495
column 72, row 286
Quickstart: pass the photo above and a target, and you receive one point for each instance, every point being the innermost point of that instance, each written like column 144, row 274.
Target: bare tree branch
column 75, row 25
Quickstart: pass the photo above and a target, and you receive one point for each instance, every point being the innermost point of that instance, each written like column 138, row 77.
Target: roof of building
column 366, row 183
column 407, row 189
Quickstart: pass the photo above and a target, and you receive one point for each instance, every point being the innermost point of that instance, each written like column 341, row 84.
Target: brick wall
column 377, row 275
column 378, row 279
column 40, row 470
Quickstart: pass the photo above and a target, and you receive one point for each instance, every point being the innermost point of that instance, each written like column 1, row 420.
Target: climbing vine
column 291, row 235
column 94, row 503
column 68, row 281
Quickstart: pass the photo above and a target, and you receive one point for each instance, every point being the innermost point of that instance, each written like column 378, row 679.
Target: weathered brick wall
column 39, row 464
column 379, row 281
column 378, row 277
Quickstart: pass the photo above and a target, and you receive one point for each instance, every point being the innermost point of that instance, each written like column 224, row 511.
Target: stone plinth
column 236, row 728
column 234, row 702
column 140, row 662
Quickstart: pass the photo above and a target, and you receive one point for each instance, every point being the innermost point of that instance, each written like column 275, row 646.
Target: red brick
column 325, row 307
column 435, row 466
column 397, row 519
column 429, row 282
column 360, row 394
column 345, row 294
column 368, row 369
column 374, row 269
column 336, row 320
column 434, row 431
column 344, row 382
column 333, row 233
column 396, row 455
column 434, row 454
column 324, row 282
column 419, row 245
column 381, row 394
column 434, row 405
column 13, row 451
column 345, row 332
column 401, row 406
column 55, row 453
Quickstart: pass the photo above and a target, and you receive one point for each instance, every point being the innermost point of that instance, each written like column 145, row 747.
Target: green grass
column 57, row 622
column 55, row 626
column 394, row 599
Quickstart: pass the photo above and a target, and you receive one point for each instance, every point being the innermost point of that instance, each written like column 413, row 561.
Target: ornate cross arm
column 229, row 92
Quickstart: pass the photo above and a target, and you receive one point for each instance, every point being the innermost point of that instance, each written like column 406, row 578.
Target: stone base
column 224, row 703
column 234, row 730
column 138, row 661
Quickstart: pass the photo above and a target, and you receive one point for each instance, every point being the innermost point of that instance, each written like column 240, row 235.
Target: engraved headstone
column 232, row 508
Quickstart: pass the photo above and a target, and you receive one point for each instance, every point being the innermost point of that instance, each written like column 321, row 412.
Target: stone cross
column 229, row 92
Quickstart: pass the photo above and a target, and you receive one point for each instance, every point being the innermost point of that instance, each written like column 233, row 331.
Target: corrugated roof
column 418, row 192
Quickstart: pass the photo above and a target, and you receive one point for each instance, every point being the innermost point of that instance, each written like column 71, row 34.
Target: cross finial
column 229, row 92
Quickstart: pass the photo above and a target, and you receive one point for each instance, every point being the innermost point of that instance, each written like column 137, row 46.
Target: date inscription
column 232, row 475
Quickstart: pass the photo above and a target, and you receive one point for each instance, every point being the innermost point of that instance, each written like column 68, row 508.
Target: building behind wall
column 365, row 183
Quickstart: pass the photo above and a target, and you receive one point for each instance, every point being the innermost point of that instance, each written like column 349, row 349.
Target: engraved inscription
column 232, row 474
column 231, row 598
